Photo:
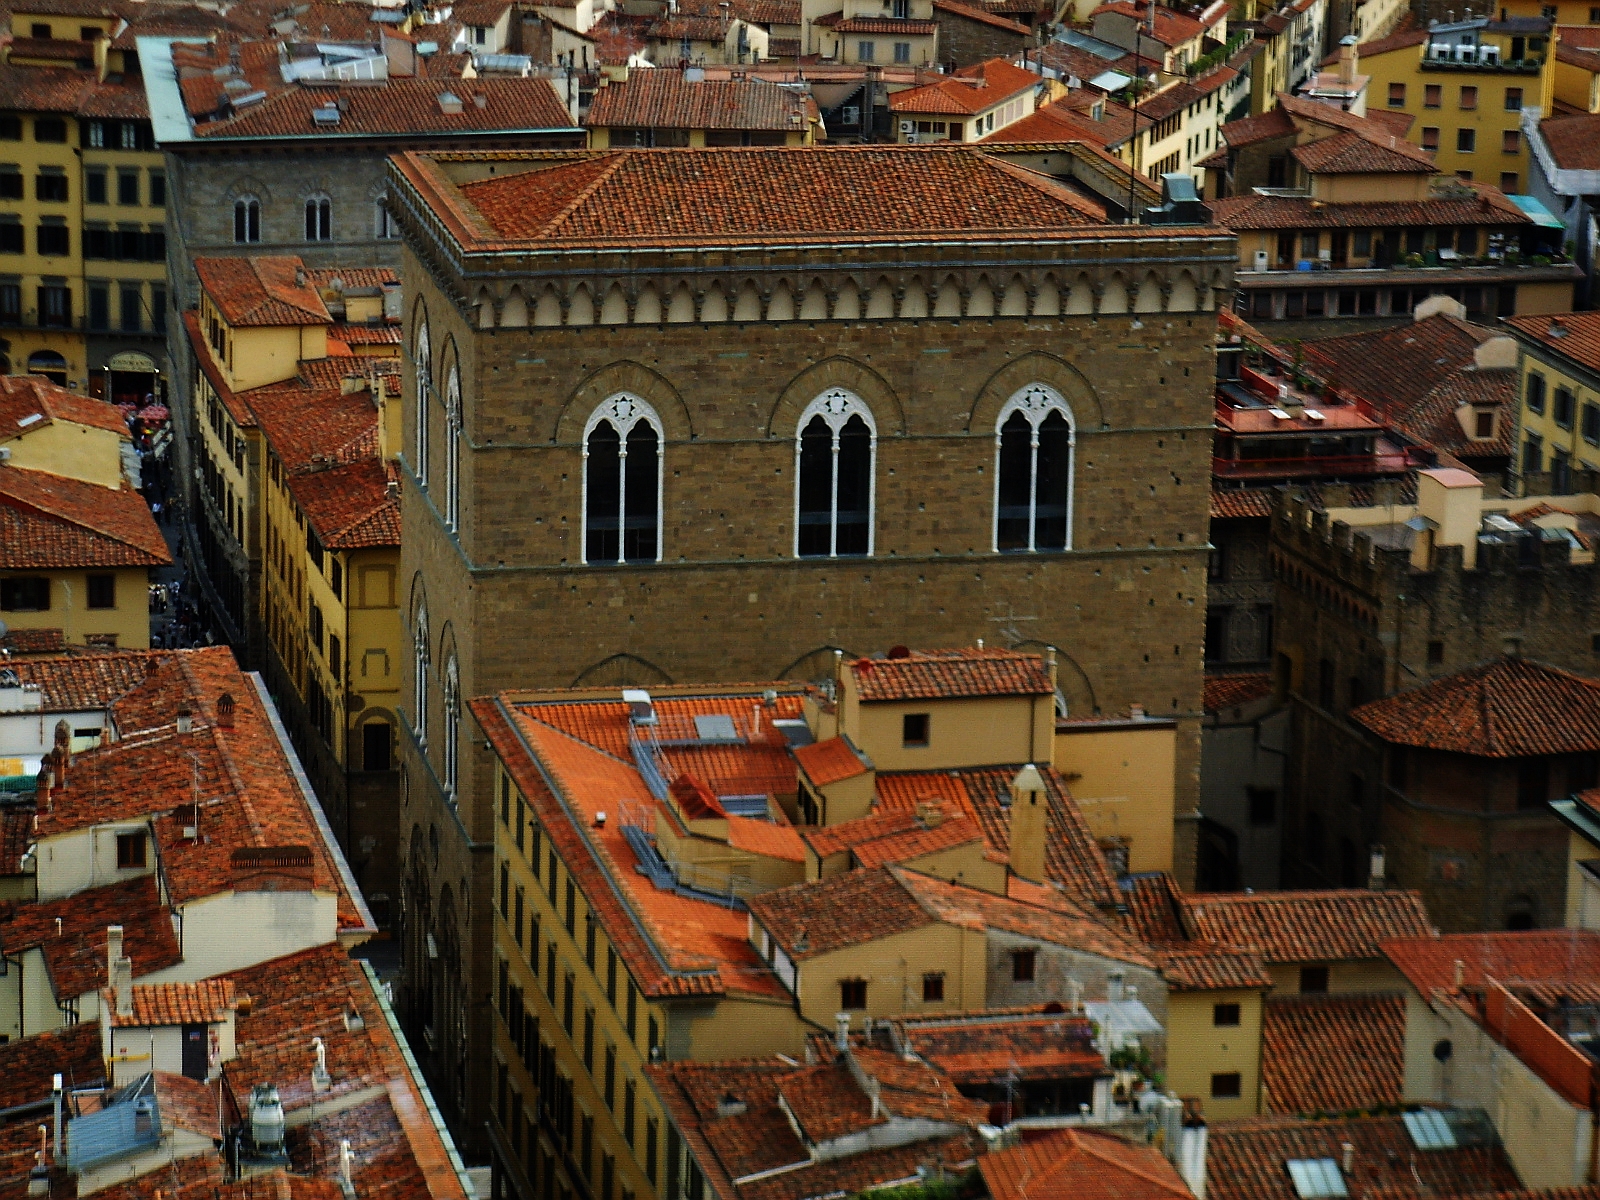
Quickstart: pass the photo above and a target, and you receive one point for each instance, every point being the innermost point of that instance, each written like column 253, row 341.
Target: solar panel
column 1429, row 1130
column 1316, row 1178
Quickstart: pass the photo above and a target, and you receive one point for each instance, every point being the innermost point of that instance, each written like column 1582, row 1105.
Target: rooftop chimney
column 1029, row 809
column 185, row 719
column 1453, row 500
column 225, row 711
column 1460, row 973
column 1348, row 59
column 1377, row 868
column 841, row 1031
column 113, row 950
column 1349, row 1160
column 346, row 1162
column 1114, row 985
column 122, row 985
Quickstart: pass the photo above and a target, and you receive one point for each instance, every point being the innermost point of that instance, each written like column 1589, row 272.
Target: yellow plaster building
column 1557, row 423
column 1465, row 87
column 301, row 531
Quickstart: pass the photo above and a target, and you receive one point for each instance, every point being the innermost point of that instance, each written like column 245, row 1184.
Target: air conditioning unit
column 908, row 126
column 1261, row 260
column 1489, row 54
column 911, row 139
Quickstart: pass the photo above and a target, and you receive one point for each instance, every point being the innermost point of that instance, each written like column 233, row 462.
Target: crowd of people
column 176, row 621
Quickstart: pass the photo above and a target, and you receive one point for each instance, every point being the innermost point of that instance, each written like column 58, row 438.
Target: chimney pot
column 841, row 1031
column 122, row 985
column 185, row 719
column 1349, row 1157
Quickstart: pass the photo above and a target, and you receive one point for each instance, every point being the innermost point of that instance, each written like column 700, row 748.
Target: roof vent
column 326, row 114
column 729, row 1105
column 641, row 709
column 450, row 104
column 266, row 1119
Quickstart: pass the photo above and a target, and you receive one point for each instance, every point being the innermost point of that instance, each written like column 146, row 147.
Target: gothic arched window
column 419, row 677
column 623, row 446
column 834, row 447
column 319, row 219
column 1034, row 438
column 424, row 365
column 246, row 220
column 452, row 449
column 452, row 726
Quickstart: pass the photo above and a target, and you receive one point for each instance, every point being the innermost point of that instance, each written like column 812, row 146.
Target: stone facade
column 726, row 349
column 1356, row 621
column 965, row 40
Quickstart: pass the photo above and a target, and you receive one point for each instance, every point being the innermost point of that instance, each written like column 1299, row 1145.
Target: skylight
column 1315, row 1178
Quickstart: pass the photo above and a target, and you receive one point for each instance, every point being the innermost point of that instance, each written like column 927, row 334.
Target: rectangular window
column 1466, row 141
column 99, row 306
column 1469, row 99
column 102, row 591
column 1226, row 1086
column 54, row 241
column 1314, row 979
column 1561, row 407
column 132, row 308
column 1533, row 454
column 1513, row 99
column 933, row 987
column 572, row 908
column 1511, row 142
column 633, row 1011
column 608, row 1082
column 158, row 189
column 1432, row 95
column 1533, row 782
column 10, row 128
column 94, row 187
column 865, row 51
column 10, row 302
column 1224, row 1014
column 49, row 129
column 629, row 1099
column 902, row 52
column 335, row 658
column 1535, row 393
column 914, row 730
column 25, row 594
column 852, row 994
column 1430, row 137
column 1022, row 964
column 1591, row 423
column 1508, row 182
column 128, row 187
column 130, row 851
column 1397, row 95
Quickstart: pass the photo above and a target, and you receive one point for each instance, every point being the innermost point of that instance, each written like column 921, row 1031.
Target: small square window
column 933, row 987
column 1483, row 424
column 1469, row 99
column 1313, row 979
column 1226, row 1086
column 1466, row 141
column 1397, row 95
column 1430, row 137
column 1022, row 964
column 102, row 591
column 1435, row 653
column 1511, row 141
column 1224, row 1014
column 914, row 730
column 1514, row 95
column 25, row 594
column 852, row 993
column 1432, row 95
column 1508, row 182
column 130, row 851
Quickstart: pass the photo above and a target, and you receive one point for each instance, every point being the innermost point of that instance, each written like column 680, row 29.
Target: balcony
column 1441, row 58
column 1314, row 466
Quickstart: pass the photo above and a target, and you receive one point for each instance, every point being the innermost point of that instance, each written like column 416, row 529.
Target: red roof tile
column 968, row 12
column 1081, row 1164
column 1485, row 206
column 1171, row 28
column 76, row 955
column 1333, row 1053
column 1207, row 967
column 1350, row 153
column 24, row 396
column 28, row 1065
column 1247, row 1159
column 1573, row 335
column 1507, row 708
column 1228, row 691
column 1244, row 503
column 1573, row 141
column 830, row 761
column 900, row 25
column 658, row 196
column 202, row 1003
column 81, row 682
column 1535, row 957
column 350, row 505
column 262, row 290
column 662, row 99
column 951, row 675
column 980, row 1047
column 51, row 522
column 973, row 89
column 1308, row 926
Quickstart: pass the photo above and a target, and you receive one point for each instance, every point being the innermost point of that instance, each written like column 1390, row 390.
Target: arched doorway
column 48, row 363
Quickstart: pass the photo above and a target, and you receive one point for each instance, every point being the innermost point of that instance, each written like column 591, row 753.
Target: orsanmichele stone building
column 698, row 415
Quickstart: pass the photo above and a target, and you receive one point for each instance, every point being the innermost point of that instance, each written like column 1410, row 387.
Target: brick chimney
column 1029, row 812
column 122, row 985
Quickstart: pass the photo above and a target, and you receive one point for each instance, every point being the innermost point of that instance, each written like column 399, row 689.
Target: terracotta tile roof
column 1246, row 1159
column 1350, row 153
column 1395, row 41
column 1172, row 28
column 951, row 675
column 37, row 641
column 43, row 89
column 672, row 944
column 1573, row 335
column 185, row 1103
column 730, row 1117
column 1506, row 708
column 894, row 819
column 662, row 99
column 1574, row 141
column 1434, row 421
column 1155, row 908
column 1227, row 691
column 1204, row 967
column 1185, row 92
column 1272, row 124
column 809, row 919
column 973, row 89
column 916, row 841
column 83, row 682
column 1081, row 1164
column 831, row 760
column 968, row 12
column 23, row 396
column 1557, row 958
column 262, row 290
column 350, row 505
column 909, row 28
column 1308, row 926
column 253, row 798
column 766, row 838
column 1241, row 503
column 201, row 1003
column 1333, row 1053
column 49, row 521
column 28, row 1064
column 657, row 196
column 912, row 1090
column 978, row 1048
column 76, row 957
column 1487, row 207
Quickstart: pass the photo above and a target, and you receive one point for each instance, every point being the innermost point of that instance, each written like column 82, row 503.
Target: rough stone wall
column 964, row 41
